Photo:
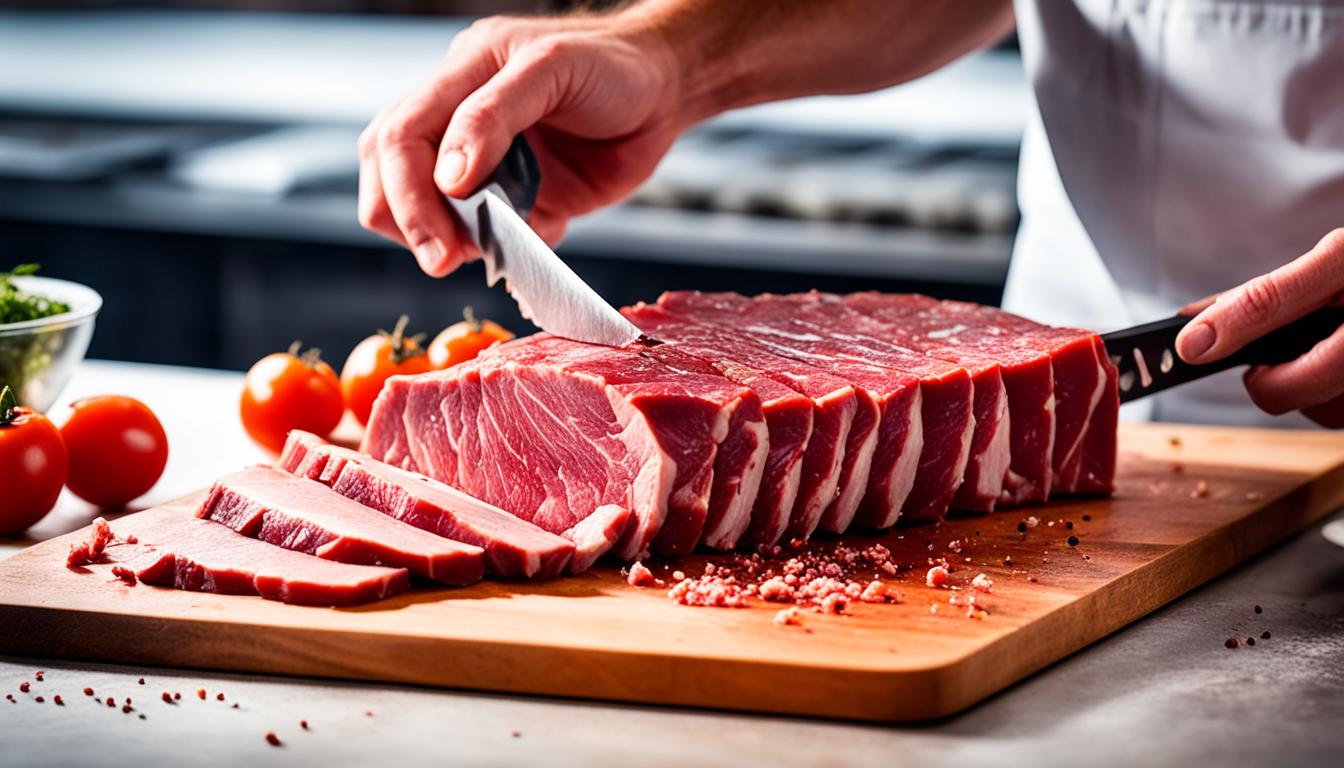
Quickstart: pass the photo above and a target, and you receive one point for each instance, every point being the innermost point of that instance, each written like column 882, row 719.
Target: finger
column 1329, row 415
column 1258, row 306
column 373, row 213
column 1308, row 381
column 483, row 127
column 1195, row 307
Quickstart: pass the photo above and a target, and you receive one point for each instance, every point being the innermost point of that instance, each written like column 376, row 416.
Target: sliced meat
column 878, row 475
column 835, row 405
column 306, row 516
column 553, row 430
column 176, row 549
column 513, row 547
column 1027, row 375
column 946, row 389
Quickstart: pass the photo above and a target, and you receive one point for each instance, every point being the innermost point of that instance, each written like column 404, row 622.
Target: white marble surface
column 1164, row 691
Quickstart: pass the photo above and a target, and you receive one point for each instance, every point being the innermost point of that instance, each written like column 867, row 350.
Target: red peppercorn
column 88, row 691
column 219, row 697
column 23, row 687
column 235, row 706
column 167, row 697
column 177, row 695
column 303, row 724
column 272, row 739
column 57, row 700
column 1250, row 641
column 1264, row 635
column 1230, row 642
column 141, row 681
column 200, row 693
column 1258, row 609
column 39, row 676
column 39, row 699
column 111, row 702
column 127, row 709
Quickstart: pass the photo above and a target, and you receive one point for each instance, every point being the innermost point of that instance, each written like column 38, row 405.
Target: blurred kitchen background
column 195, row 163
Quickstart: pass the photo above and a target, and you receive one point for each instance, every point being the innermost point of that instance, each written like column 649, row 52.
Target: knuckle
column 393, row 133
column 1261, row 300
column 368, row 140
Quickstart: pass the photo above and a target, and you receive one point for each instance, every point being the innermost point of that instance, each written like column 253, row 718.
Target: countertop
column 1164, row 691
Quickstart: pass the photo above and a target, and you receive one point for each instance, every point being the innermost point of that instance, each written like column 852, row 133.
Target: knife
column 548, row 292
column 1147, row 361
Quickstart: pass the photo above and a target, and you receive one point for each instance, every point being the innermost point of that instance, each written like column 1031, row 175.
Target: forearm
column 732, row 53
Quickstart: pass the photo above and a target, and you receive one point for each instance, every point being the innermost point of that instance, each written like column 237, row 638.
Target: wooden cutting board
column 1192, row 503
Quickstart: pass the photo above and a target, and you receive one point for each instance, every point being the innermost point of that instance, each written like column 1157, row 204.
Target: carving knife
column 1147, row 361
column 548, row 292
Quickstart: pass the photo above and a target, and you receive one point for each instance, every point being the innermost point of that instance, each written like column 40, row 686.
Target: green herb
column 25, row 356
column 17, row 306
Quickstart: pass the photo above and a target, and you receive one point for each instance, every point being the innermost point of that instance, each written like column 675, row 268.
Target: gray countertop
column 1164, row 691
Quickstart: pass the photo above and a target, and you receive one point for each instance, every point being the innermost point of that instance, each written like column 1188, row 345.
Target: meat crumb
column 272, row 739
column 24, row 687
column 40, row 675
column 90, row 550
column 678, row 575
column 1033, row 521
column 640, row 576
column 200, row 694
column 709, row 591
column 167, row 697
column 125, row 574
column 875, row 592
column 982, row 583
column 88, row 691
column 936, row 576
column 789, row 617
column 132, row 539
column 1258, row 609
column 834, row 603
column 1230, row 642
column 219, row 697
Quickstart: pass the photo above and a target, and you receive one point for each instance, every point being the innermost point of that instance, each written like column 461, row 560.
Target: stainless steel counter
column 1164, row 691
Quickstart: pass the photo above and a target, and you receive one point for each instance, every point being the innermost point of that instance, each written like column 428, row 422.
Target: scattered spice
column 1250, row 641
column 788, row 617
column 167, row 697
column 272, row 739
column 39, row 700
column 303, row 724
column 11, row 698
column 142, row 681
column 1201, row 490
column 1073, row 541
column 24, row 687
column 1087, row 518
column 131, row 539
column 127, row 709
column 1264, row 635
column 1022, row 527
column 1258, row 609
column 1230, row 642
column 111, row 702
column 235, row 706
column 57, row 700
column 368, row 713
column 1174, row 441
column 516, row 734
column 219, row 696
column 88, row 691
column 177, row 695
column 200, row 694
column 39, row 675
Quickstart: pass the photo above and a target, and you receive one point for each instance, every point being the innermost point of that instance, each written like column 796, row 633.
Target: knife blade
column 548, row 292
column 1147, row 361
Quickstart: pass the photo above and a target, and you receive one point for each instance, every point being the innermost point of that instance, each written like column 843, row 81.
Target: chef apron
column 1178, row 148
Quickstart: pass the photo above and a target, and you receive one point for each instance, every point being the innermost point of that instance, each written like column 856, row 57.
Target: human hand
column 1314, row 382
column 596, row 99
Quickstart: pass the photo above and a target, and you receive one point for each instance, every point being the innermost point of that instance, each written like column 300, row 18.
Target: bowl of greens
column 45, row 328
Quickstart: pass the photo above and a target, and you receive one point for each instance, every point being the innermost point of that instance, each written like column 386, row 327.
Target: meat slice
column 513, row 547
column 553, row 431
column 788, row 417
column 946, row 388
column 306, row 516
column 881, row 480
column 1083, row 397
column 176, row 549
column 836, row 406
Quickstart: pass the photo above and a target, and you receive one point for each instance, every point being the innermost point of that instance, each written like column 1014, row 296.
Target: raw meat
column 304, row 515
column 513, row 547
column 807, row 435
column 880, row 487
column 553, row 430
column 178, row 550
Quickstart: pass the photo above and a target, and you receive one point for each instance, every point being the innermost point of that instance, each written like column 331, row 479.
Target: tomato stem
column 7, row 405
column 473, row 322
column 401, row 350
column 295, row 347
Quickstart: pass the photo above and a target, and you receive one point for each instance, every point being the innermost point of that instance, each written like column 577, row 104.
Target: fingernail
column 450, row 168
column 431, row 254
column 1194, row 341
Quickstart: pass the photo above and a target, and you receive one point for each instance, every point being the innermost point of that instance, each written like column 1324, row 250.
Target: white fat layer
column 840, row 513
column 792, row 484
column 737, row 515
column 1070, row 483
column 590, row 536
column 766, row 330
column 995, row 460
column 652, row 486
column 907, row 463
column 808, row 509
column 964, row 453
column 1049, row 438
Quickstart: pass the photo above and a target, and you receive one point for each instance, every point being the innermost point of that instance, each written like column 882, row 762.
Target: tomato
column 284, row 391
column 462, row 341
column 32, row 465
column 375, row 359
column 117, row 449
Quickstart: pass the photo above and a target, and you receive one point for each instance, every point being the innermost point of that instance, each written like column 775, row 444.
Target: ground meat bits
column 640, row 576
column 91, row 550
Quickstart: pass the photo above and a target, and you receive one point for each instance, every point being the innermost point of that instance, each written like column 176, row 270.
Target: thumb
column 1258, row 306
column 479, row 134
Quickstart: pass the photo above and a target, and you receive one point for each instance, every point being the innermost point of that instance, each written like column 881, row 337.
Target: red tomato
column 463, row 341
column 117, row 449
column 32, row 462
column 284, row 391
column 375, row 359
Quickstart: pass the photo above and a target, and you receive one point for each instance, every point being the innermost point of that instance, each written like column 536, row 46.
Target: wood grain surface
column 1192, row 503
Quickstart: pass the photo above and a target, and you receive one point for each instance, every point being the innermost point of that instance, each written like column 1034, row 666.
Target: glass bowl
column 38, row 357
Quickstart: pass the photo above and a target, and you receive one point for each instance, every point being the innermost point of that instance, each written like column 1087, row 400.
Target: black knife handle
column 1147, row 361
column 518, row 175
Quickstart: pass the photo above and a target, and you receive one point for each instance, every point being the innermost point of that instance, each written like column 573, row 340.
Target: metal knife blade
column 548, row 292
column 1147, row 361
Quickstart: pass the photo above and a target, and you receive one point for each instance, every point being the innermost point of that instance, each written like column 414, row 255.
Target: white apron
column 1180, row 148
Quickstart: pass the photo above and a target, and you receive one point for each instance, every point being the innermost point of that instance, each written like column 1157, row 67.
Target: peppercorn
column 1022, row 527
column 1264, row 635
column 1250, row 641
column 1230, row 642
column 1087, row 518
column 1073, row 541
column 1258, row 609
column 272, row 739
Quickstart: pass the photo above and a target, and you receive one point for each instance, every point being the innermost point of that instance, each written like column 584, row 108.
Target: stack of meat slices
column 751, row 421
column 763, row 419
